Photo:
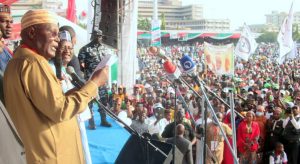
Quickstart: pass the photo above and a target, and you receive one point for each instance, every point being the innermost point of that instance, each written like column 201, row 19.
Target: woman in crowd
column 247, row 139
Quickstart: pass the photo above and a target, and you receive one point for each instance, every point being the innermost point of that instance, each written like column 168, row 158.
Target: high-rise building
column 182, row 17
column 276, row 18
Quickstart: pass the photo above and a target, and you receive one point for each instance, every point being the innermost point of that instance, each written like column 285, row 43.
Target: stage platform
column 106, row 143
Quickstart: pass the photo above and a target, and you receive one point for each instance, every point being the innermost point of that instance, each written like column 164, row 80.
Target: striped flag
column 284, row 37
column 246, row 44
column 155, row 33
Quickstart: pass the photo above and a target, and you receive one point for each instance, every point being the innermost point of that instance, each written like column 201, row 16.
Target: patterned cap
column 65, row 35
column 40, row 16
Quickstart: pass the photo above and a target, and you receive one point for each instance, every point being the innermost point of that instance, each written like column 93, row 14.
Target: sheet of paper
column 107, row 60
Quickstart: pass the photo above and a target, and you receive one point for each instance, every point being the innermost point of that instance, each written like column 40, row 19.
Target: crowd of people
column 48, row 111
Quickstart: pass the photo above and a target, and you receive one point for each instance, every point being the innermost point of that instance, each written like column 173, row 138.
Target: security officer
column 291, row 133
column 89, row 57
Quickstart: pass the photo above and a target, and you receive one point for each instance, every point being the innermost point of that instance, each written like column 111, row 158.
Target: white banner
column 284, row 38
column 246, row 44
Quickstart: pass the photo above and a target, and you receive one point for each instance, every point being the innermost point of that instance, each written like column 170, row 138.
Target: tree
column 267, row 37
column 296, row 34
column 163, row 21
column 144, row 24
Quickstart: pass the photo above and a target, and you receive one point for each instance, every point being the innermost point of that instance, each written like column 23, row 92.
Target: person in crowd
column 184, row 145
column 1, row 72
column 6, row 22
column 247, row 139
column 169, row 129
column 116, row 108
column 262, row 121
column 291, row 133
column 139, row 125
column 129, row 107
column 278, row 156
column 89, row 56
column 228, row 158
column 157, row 122
column 74, row 62
column 274, row 130
column 215, row 139
column 44, row 115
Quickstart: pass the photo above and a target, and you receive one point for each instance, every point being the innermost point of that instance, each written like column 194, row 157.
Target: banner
column 219, row 59
column 284, row 38
column 246, row 44
column 155, row 33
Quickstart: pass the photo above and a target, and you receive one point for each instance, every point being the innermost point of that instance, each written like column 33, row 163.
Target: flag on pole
column 71, row 11
column 155, row 33
column 284, row 37
column 246, row 44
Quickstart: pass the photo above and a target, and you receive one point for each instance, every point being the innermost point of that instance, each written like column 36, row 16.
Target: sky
column 243, row 11
column 238, row 11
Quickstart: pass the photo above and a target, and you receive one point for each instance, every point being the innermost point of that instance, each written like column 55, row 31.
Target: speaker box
column 109, row 22
column 138, row 151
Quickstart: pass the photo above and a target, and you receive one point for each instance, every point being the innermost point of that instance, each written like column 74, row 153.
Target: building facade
column 181, row 17
column 276, row 18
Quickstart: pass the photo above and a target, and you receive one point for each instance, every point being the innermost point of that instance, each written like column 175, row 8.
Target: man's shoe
column 105, row 124
column 92, row 127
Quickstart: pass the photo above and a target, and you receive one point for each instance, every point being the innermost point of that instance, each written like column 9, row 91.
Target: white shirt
column 158, row 127
column 279, row 159
column 294, row 122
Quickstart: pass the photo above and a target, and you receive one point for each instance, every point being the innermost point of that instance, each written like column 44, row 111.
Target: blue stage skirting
column 106, row 143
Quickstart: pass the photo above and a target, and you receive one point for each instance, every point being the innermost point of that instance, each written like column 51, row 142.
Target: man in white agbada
column 157, row 122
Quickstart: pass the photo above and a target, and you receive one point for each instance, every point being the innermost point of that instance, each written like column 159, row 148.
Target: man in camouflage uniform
column 89, row 57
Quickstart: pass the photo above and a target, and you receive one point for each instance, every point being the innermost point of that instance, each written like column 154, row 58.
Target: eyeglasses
column 65, row 48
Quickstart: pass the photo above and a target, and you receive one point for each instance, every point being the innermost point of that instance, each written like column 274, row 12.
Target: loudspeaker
column 109, row 22
column 137, row 150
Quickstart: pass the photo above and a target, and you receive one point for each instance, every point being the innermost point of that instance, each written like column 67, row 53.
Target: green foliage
column 267, row 37
column 144, row 24
column 163, row 21
column 296, row 34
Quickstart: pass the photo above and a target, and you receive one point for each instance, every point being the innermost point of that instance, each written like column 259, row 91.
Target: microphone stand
column 214, row 116
column 216, row 119
column 185, row 106
column 198, row 81
column 128, row 128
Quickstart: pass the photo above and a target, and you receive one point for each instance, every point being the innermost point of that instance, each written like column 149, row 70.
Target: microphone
column 58, row 65
column 159, row 52
column 187, row 64
column 76, row 80
column 173, row 72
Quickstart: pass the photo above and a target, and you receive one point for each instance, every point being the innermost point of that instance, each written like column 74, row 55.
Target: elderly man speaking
column 44, row 116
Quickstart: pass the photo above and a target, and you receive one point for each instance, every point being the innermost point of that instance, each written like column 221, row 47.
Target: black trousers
column 292, row 150
column 100, row 110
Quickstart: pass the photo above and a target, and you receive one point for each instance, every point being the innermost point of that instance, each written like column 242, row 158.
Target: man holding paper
column 91, row 57
column 44, row 116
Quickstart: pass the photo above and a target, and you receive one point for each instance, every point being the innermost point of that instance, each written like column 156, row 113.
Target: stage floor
column 106, row 143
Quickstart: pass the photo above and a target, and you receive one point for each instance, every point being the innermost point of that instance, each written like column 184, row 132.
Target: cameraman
column 291, row 133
